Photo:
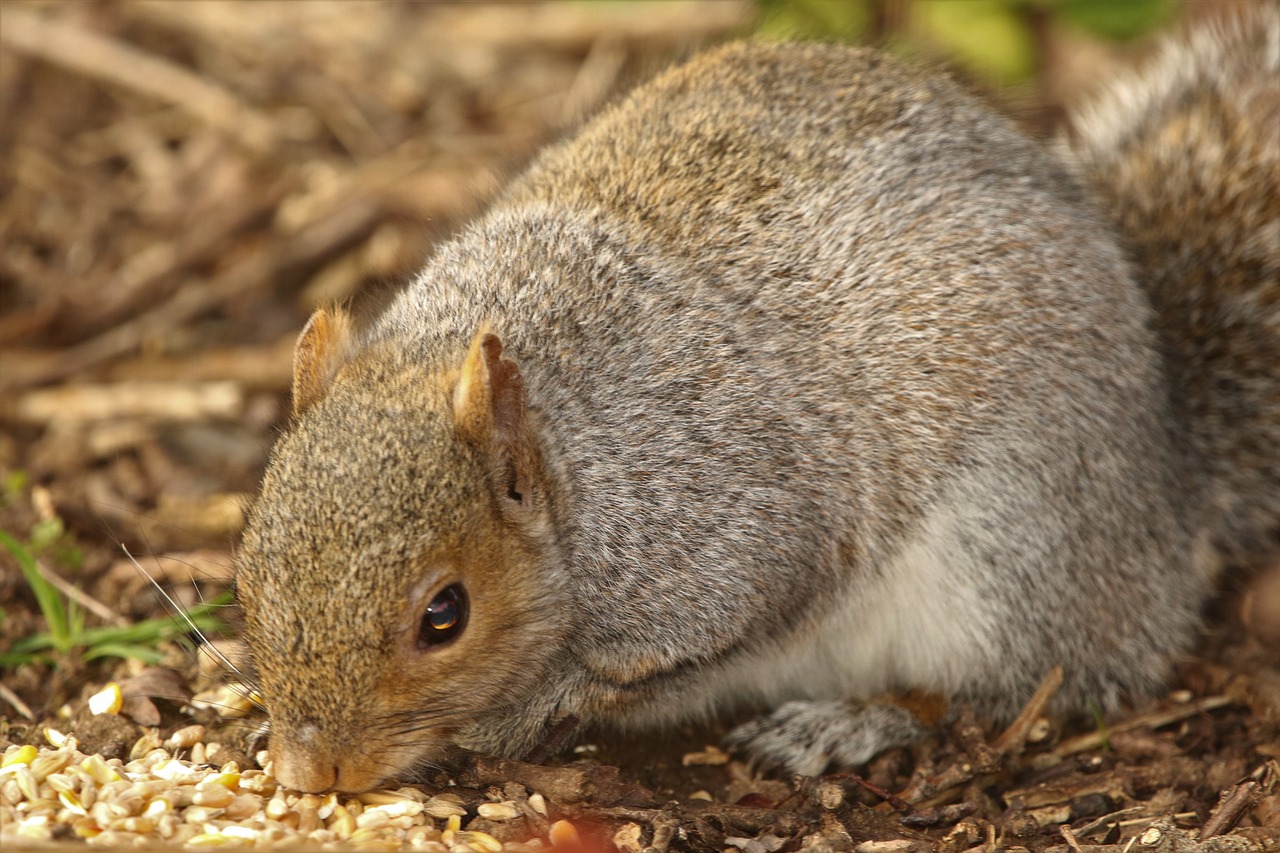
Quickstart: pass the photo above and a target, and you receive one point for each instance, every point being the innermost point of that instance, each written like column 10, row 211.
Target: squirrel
column 801, row 380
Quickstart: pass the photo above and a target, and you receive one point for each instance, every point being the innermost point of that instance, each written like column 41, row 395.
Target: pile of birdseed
column 160, row 799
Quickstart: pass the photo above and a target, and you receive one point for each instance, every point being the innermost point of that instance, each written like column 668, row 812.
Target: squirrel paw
column 807, row 737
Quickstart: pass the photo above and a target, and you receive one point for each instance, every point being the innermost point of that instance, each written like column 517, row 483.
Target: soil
column 182, row 184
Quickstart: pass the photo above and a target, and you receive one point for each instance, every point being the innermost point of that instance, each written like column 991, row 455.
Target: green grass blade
column 50, row 600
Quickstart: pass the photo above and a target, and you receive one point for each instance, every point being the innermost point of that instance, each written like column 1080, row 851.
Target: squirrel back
column 1184, row 156
column 797, row 377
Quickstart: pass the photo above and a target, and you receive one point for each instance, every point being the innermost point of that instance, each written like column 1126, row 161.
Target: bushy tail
column 1185, row 156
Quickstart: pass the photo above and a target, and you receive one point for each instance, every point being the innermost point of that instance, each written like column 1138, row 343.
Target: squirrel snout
column 301, row 761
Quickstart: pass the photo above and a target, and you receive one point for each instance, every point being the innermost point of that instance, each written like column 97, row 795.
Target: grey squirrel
column 795, row 379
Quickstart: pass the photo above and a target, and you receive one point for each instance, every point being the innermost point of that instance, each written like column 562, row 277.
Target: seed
column 175, row 770
column 101, row 813
column 200, row 815
column 26, row 781
column 243, row 807
column 212, row 795
column 144, row 745
column 185, row 737
column 59, row 782
column 50, row 763
column 257, row 782
column 563, row 834
column 157, row 807
column 498, row 811
column 24, row 754
column 480, row 840
column 86, row 827
column 342, row 823
column 308, row 821
column 444, row 806
column 451, row 827
column 141, row 825
column 242, row 832
column 107, row 700
column 71, row 800
column 399, row 808
column 276, row 806
column 98, row 770
column 538, row 803
column 211, row 839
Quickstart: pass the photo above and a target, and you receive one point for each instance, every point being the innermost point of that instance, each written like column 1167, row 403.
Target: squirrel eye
column 445, row 618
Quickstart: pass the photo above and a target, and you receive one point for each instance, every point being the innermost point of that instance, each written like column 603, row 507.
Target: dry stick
column 12, row 698
column 105, row 58
column 580, row 25
column 1107, row 821
column 81, row 597
column 1010, row 743
column 165, row 401
column 1069, row 837
column 1154, row 719
column 1238, row 801
column 1014, row 739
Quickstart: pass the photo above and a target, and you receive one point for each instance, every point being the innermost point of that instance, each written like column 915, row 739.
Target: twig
column 1154, row 719
column 105, row 58
column 164, row 401
column 1014, row 739
column 1106, row 820
column 12, row 698
column 79, row 596
column 1238, row 801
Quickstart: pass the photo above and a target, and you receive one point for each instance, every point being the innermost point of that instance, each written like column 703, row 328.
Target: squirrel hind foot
column 806, row 737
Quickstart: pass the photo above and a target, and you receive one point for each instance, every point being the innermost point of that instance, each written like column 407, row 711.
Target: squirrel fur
column 796, row 378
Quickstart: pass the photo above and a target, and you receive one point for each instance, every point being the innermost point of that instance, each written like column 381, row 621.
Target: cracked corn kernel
column 106, row 701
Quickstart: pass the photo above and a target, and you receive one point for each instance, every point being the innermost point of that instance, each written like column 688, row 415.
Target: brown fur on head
column 441, row 489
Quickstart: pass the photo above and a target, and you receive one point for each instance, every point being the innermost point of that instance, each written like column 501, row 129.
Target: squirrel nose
column 302, row 761
column 299, row 761
column 303, row 770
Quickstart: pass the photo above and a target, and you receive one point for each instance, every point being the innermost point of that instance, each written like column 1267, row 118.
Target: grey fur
column 840, row 386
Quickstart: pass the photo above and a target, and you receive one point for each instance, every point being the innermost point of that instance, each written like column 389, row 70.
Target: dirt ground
column 181, row 184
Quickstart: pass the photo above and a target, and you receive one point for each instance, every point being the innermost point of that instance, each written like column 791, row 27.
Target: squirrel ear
column 489, row 411
column 322, row 348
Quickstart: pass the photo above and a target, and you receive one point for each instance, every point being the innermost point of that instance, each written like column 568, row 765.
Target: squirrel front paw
column 807, row 737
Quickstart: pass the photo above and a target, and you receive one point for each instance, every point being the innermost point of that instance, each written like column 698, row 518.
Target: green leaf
column 46, row 533
column 989, row 37
column 122, row 650
column 1116, row 20
column 798, row 20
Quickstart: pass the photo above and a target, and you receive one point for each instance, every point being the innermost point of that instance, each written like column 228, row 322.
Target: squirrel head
column 393, row 572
